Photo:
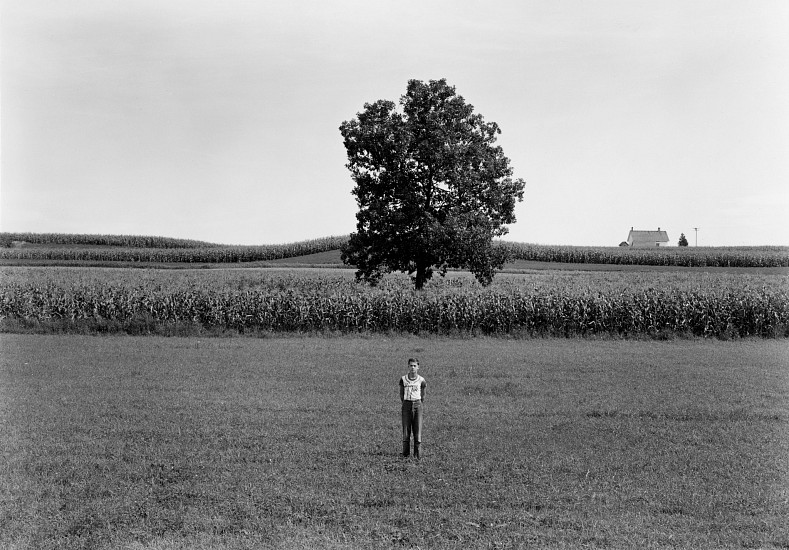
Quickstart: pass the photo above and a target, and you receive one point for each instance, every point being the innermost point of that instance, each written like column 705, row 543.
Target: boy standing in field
column 412, row 396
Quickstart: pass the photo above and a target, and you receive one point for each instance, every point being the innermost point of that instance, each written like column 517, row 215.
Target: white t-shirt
column 412, row 388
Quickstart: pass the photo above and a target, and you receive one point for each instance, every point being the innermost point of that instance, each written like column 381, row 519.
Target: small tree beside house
column 682, row 240
column 647, row 238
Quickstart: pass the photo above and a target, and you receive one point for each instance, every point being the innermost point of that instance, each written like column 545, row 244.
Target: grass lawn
column 176, row 443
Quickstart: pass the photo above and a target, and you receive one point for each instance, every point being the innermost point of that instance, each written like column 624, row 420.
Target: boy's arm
column 402, row 390
column 422, row 391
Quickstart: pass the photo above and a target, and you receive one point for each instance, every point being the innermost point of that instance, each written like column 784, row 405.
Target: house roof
column 651, row 236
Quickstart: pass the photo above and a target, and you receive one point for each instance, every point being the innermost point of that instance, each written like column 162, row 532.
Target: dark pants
column 412, row 423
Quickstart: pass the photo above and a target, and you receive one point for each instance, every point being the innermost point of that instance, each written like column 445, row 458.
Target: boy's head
column 413, row 366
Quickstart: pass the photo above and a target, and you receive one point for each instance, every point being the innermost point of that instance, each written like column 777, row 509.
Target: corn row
column 113, row 248
column 496, row 311
column 212, row 254
column 762, row 256
column 133, row 241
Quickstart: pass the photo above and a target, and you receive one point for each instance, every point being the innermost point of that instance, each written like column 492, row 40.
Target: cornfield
column 551, row 304
column 72, row 239
column 141, row 249
column 206, row 254
column 761, row 256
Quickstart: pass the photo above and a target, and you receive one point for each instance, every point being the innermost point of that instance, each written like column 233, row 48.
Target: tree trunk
column 421, row 276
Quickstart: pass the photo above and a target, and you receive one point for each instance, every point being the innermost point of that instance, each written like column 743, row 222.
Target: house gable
column 644, row 239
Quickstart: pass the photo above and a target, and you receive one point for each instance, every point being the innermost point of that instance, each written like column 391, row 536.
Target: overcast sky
column 218, row 121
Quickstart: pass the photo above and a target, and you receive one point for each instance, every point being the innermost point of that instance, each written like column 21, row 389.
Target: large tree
column 432, row 187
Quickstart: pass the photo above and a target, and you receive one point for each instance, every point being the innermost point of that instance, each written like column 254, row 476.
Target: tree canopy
column 432, row 187
column 682, row 240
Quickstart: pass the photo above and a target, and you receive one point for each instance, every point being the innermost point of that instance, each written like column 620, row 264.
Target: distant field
column 120, row 250
column 292, row 443
column 331, row 258
column 60, row 240
column 107, row 250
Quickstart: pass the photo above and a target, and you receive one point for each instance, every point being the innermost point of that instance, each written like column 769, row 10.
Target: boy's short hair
column 412, row 360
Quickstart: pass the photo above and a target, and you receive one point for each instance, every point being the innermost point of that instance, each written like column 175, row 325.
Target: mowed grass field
column 293, row 442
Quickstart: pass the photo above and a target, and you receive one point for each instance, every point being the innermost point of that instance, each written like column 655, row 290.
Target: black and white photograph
column 349, row 275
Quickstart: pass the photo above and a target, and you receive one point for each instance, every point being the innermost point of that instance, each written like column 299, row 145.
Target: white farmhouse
column 647, row 239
